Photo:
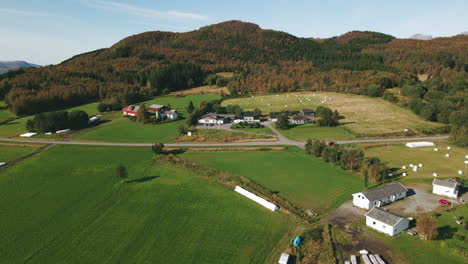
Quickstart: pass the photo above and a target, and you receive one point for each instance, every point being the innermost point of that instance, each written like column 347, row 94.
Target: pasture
column 301, row 179
column 215, row 135
column 312, row 131
column 433, row 162
column 67, row 206
column 4, row 112
column 362, row 115
column 12, row 152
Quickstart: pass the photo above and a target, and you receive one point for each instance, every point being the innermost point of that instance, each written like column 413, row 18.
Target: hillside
column 13, row 65
column 154, row 63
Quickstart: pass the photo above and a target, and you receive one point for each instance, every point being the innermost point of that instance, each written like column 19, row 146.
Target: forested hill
column 157, row 62
column 13, row 65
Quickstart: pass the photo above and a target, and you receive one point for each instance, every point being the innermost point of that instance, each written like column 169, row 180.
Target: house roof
column 249, row 114
column 209, row 116
column 388, row 190
column 446, row 183
column 384, row 216
column 232, row 116
column 131, row 108
column 156, row 106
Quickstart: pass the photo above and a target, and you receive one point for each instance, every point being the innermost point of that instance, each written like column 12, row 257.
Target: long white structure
column 29, row 134
column 420, row 144
column 255, row 198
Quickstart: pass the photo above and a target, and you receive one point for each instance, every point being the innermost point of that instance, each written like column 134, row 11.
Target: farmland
column 311, row 131
column 78, row 212
column 362, row 115
column 9, row 153
column 433, row 162
column 300, row 178
column 4, row 113
column 215, row 135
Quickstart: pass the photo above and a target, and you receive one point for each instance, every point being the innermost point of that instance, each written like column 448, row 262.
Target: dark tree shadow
column 410, row 192
column 143, row 179
column 446, row 232
column 275, row 192
column 175, row 151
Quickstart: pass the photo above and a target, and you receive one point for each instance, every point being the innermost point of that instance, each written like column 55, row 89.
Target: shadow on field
column 143, row 179
column 446, row 232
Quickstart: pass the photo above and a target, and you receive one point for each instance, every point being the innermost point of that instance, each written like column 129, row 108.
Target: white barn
column 448, row 188
column 386, row 222
column 283, row 259
column 380, row 196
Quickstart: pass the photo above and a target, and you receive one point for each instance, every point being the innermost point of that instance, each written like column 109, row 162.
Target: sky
column 49, row 31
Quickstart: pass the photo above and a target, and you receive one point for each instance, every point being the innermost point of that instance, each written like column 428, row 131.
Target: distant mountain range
column 12, row 65
column 429, row 37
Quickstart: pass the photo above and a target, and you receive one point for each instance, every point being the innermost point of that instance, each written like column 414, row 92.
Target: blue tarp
column 297, row 241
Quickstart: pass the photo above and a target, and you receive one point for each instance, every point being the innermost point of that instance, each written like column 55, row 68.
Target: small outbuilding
column 447, row 188
column 379, row 196
column 284, row 259
column 386, row 222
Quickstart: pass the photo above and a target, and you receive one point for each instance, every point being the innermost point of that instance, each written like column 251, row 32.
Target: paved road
column 282, row 141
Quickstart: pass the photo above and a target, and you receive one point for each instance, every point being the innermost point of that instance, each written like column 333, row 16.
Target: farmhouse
column 386, row 222
column 249, row 117
column 211, row 119
column 448, row 188
column 171, row 114
column 131, row 110
column 300, row 120
column 307, row 112
column 379, row 196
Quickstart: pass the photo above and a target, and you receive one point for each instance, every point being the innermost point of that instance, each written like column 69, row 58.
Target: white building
column 284, row 259
column 386, row 222
column 249, row 117
column 211, row 119
column 379, row 196
column 172, row 114
column 448, row 188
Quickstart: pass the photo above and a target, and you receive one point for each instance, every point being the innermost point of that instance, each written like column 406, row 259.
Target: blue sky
column 50, row 31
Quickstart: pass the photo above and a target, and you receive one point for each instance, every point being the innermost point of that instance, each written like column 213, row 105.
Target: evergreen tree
column 190, row 107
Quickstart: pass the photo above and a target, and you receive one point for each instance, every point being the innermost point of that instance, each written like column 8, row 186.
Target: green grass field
column 433, row 162
column 438, row 251
column 264, row 130
column 362, row 115
column 66, row 206
column 310, row 131
column 4, row 113
column 215, row 135
column 121, row 129
column 300, row 178
column 9, row 153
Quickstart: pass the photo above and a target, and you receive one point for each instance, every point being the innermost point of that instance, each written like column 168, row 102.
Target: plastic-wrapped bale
column 255, row 198
column 2, row 164
column 373, row 259
column 405, row 174
column 366, row 259
column 353, row 259
column 447, row 155
column 435, row 174
column 379, row 259
column 460, row 172
column 419, row 144
column 420, row 165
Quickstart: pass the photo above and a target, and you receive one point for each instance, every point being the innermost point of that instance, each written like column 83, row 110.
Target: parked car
column 443, row 201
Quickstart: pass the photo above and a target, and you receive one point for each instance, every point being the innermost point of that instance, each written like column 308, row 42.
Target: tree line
column 54, row 121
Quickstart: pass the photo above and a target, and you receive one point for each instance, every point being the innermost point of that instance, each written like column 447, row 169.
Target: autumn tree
column 142, row 115
column 427, row 227
column 282, row 122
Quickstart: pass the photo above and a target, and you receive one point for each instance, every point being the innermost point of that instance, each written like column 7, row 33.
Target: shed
column 386, row 222
column 284, row 259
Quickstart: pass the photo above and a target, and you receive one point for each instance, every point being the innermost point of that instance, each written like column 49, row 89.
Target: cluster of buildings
column 160, row 111
column 305, row 116
column 390, row 223
column 212, row 119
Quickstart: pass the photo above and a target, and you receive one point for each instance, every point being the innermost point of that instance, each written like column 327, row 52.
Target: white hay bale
column 466, row 161
column 404, row 174
column 435, row 174
column 460, row 172
column 415, row 168
column 436, row 149
column 411, row 165
column 406, row 130
column 447, row 155
column 390, row 174
column 449, row 148
column 420, row 165
column 466, row 157
column 403, row 167
column 285, row 105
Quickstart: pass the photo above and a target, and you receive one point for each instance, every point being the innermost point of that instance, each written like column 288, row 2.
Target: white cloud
column 143, row 11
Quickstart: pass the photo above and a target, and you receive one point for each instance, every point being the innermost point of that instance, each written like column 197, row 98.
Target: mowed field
column 433, row 161
column 122, row 129
column 302, row 179
column 312, row 131
column 9, row 153
column 65, row 205
column 363, row 115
